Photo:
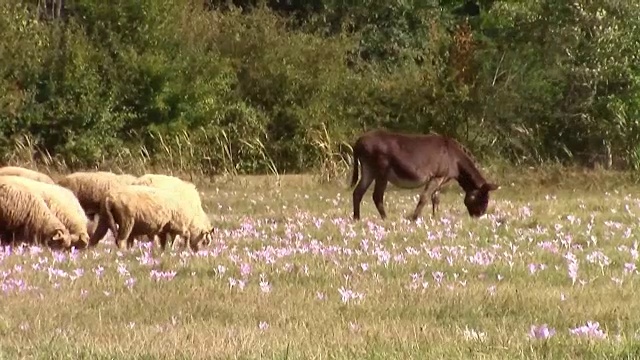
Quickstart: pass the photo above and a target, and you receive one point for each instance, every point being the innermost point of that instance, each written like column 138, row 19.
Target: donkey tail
column 356, row 166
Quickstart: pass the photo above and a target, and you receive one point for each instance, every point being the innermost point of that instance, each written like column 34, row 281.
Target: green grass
column 300, row 236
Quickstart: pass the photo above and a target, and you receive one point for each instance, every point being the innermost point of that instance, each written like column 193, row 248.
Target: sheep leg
column 9, row 238
column 18, row 238
column 176, row 239
column 32, row 238
column 172, row 238
column 156, row 240
column 194, row 242
column 4, row 239
column 123, row 233
column 130, row 240
column 92, row 223
column 162, row 239
column 184, row 239
column 104, row 223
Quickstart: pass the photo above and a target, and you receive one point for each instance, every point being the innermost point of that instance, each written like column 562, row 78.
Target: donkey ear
column 490, row 187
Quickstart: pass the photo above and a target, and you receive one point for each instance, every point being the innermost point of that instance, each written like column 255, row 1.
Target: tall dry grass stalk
column 334, row 164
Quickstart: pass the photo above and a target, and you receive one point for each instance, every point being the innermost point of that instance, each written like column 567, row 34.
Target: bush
column 286, row 87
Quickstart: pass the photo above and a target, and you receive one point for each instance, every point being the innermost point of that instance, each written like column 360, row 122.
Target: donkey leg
column 424, row 195
column 378, row 195
column 435, row 196
column 360, row 190
column 421, row 203
column 435, row 201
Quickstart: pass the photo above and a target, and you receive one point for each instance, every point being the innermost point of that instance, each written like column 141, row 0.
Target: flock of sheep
column 78, row 209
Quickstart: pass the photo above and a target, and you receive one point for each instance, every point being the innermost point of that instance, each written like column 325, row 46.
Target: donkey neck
column 469, row 177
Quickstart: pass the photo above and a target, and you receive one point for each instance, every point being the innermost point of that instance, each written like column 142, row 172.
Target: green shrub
column 278, row 87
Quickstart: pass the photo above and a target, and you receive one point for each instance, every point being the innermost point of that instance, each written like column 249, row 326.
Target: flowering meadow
column 547, row 273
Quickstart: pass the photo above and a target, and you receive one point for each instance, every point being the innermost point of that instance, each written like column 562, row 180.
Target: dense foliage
column 251, row 86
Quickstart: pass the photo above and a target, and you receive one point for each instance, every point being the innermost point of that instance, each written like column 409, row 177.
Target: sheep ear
column 207, row 239
column 59, row 235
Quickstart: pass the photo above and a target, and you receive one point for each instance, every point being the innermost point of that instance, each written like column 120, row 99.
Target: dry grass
column 427, row 286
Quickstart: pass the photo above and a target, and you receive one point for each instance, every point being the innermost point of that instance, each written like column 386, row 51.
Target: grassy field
column 289, row 275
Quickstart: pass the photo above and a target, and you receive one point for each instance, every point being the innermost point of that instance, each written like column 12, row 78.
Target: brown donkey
column 412, row 161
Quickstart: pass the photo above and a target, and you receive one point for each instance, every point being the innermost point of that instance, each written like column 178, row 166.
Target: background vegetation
column 284, row 86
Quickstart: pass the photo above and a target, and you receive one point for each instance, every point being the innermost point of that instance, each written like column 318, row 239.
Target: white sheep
column 26, row 173
column 25, row 213
column 185, row 190
column 91, row 187
column 63, row 204
column 137, row 210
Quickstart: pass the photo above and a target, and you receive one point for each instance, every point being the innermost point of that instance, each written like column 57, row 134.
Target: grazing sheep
column 25, row 213
column 26, row 173
column 127, row 178
column 136, row 210
column 171, row 183
column 187, row 192
column 63, row 204
column 91, row 187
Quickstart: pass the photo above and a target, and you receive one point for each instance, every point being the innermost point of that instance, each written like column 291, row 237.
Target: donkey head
column 477, row 200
